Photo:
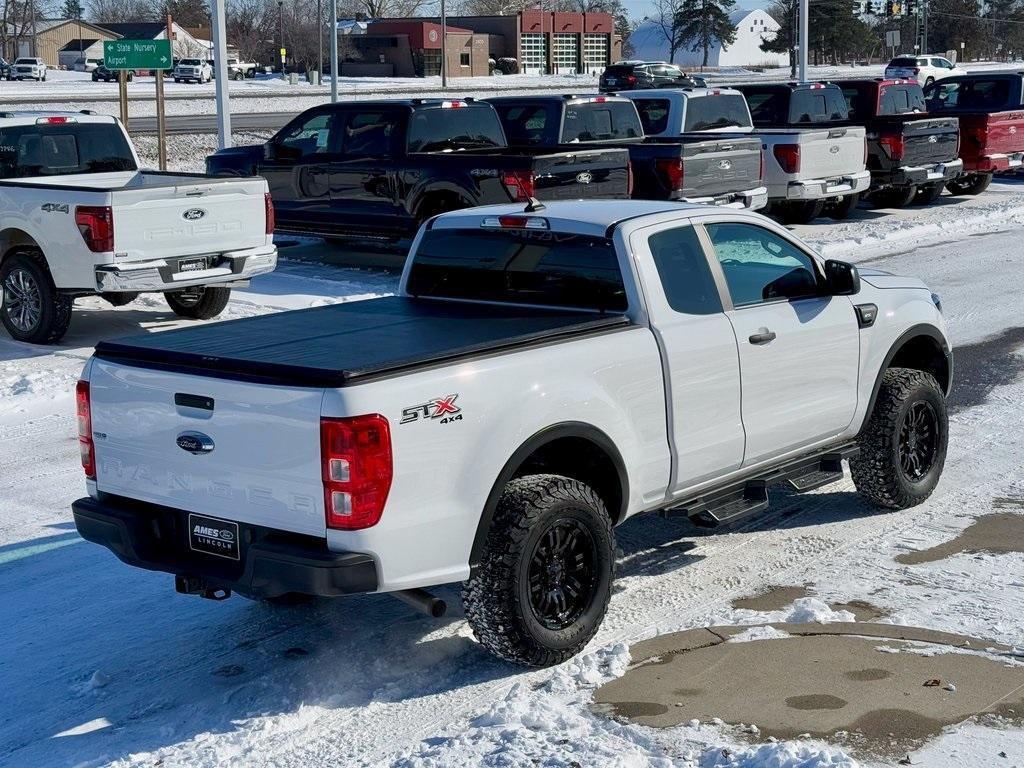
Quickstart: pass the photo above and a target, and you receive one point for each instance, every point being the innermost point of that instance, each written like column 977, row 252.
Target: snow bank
column 789, row 754
column 804, row 610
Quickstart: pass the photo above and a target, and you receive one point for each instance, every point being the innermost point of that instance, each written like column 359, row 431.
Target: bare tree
column 123, row 11
column 251, row 25
column 665, row 18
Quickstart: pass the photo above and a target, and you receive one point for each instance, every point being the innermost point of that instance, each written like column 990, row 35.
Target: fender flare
column 922, row 329
column 539, row 440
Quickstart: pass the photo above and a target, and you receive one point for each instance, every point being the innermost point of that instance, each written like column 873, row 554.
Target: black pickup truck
column 724, row 169
column 911, row 155
column 379, row 169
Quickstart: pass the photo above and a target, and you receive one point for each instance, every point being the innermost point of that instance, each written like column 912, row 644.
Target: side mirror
column 270, row 151
column 843, row 279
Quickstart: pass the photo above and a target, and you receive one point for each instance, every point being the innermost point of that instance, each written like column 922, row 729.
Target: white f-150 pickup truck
column 78, row 217
column 542, row 376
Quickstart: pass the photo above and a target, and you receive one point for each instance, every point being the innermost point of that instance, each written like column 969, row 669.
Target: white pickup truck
column 78, row 218
column 193, row 70
column 543, row 375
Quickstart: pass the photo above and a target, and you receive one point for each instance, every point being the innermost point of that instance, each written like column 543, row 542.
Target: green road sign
column 137, row 54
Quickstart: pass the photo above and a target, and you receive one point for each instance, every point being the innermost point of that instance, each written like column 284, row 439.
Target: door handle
column 762, row 338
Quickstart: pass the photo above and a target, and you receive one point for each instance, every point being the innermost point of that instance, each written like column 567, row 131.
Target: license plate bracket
column 212, row 536
column 194, row 264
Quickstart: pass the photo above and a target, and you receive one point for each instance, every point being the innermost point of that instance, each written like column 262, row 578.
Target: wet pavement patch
column 997, row 533
column 779, row 598
column 840, row 682
column 980, row 368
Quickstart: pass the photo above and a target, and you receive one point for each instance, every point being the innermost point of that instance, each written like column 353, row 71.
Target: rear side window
column 438, row 129
column 857, row 101
column 527, row 124
column 601, row 121
column 519, row 267
column 984, row 95
column 817, row 105
column 618, row 70
column 60, row 150
column 901, row 100
column 653, row 115
column 768, row 107
column 368, row 134
column 684, row 272
column 706, row 112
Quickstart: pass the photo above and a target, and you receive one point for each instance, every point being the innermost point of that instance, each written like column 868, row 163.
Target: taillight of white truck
column 268, row 210
column 96, row 223
column 85, row 443
column 357, row 467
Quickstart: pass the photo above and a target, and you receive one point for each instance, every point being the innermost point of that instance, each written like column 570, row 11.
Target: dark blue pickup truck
column 381, row 168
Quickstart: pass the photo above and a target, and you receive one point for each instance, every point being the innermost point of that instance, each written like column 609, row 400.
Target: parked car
column 382, row 168
column 911, row 155
column 238, row 69
column 27, row 69
column 109, row 75
column 815, row 161
column 634, row 75
column 924, row 70
column 542, row 376
column 87, row 65
column 692, row 167
column 192, row 71
column 990, row 108
column 5, row 68
column 78, row 218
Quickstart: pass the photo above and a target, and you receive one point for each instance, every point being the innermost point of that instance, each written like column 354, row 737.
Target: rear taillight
column 760, row 170
column 268, row 211
column 670, row 170
column 96, row 223
column 917, row 71
column 519, row 185
column 978, row 134
column 893, row 145
column 788, row 157
column 85, row 444
column 629, row 179
column 355, row 455
column 631, row 79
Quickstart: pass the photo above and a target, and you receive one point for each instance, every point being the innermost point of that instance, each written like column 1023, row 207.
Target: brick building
column 542, row 42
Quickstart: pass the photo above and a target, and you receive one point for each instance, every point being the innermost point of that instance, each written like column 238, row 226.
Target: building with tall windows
column 541, row 42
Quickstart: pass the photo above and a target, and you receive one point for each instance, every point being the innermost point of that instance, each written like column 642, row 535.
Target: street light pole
column 320, row 37
column 220, row 62
column 805, row 9
column 334, row 51
column 444, row 47
column 280, row 23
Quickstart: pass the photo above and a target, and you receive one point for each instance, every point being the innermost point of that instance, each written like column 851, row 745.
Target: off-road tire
column 120, row 298
column 929, row 193
column 972, row 184
column 496, row 598
column 799, row 213
column 894, row 197
column 210, row 304
column 877, row 472
column 54, row 307
column 841, row 210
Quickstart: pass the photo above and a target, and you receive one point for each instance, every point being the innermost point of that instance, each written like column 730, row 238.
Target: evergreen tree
column 72, row 9
column 702, row 23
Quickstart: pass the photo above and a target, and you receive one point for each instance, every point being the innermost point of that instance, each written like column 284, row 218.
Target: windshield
column 25, row 61
column 191, row 62
column 63, row 149
column 601, row 121
column 438, row 129
column 519, row 266
column 705, row 113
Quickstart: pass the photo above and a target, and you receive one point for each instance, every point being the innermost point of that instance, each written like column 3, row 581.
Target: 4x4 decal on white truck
column 443, row 408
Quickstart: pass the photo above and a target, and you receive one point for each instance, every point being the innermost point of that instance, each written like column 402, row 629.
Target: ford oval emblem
column 193, row 214
column 195, row 442
column 1013, row 129
column 725, row 165
column 834, row 149
column 584, row 178
column 933, row 139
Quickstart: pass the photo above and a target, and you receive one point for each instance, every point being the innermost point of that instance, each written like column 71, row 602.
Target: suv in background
column 637, row 75
column 925, row 69
column 109, row 75
column 27, row 69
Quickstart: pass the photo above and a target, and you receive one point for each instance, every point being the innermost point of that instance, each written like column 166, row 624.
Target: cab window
column 368, row 134
column 308, row 137
column 683, row 269
column 760, row 266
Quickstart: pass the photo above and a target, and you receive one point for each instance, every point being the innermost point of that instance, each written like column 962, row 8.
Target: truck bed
column 349, row 343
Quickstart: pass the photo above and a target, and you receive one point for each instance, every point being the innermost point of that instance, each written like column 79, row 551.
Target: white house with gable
column 752, row 27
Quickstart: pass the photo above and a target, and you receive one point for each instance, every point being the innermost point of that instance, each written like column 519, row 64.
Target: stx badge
column 440, row 408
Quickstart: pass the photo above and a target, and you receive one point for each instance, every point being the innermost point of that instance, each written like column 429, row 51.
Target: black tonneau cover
column 347, row 343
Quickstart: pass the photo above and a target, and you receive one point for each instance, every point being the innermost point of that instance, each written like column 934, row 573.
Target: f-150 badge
column 443, row 409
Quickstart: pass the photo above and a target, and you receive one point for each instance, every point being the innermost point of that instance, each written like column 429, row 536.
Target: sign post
column 131, row 55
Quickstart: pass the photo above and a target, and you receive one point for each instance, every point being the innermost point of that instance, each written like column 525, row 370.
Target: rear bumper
column 922, row 174
column 750, row 199
column 994, row 163
column 273, row 563
column 161, row 274
column 816, row 189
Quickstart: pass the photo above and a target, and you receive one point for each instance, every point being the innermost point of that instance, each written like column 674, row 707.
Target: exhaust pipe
column 193, row 585
column 423, row 601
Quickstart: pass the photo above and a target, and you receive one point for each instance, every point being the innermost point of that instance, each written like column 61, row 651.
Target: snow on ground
column 104, row 664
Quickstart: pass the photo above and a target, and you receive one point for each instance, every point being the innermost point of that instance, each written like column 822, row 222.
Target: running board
column 744, row 498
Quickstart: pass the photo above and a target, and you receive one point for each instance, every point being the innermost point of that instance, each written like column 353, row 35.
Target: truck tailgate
column 190, row 217
column 930, row 140
column 264, row 465
column 1003, row 132
column 829, row 152
column 720, row 165
column 579, row 174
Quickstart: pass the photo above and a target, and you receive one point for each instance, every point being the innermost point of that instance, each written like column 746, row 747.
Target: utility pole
column 334, row 51
column 280, row 24
column 320, row 37
column 444, row 47
column 220, row 62
column 804, row 27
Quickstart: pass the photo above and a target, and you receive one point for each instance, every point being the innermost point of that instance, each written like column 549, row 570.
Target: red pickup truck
column 991, row 111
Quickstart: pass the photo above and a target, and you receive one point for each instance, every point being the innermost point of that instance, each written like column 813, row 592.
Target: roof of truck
column 587, row 217
column 28, row 114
